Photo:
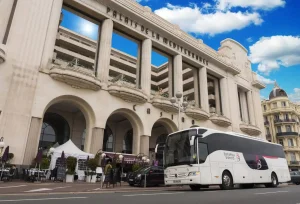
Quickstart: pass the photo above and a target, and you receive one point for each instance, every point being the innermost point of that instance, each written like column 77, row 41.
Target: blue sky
column 269, row 29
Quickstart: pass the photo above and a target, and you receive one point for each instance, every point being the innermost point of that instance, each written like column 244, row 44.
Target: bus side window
column 203, row 152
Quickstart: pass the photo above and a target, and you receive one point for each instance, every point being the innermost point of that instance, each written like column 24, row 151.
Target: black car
column 154, row 176
column 295, row 177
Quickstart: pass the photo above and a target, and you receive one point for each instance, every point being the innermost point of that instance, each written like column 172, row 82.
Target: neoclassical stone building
column 282, row 119
column 57, row 83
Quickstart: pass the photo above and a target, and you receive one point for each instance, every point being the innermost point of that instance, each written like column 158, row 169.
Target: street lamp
column 182, row 105
column 2, row 145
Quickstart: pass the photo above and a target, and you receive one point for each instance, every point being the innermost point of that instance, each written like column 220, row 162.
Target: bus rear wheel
column 227, row 181
column 274, row 181
column 195, row 187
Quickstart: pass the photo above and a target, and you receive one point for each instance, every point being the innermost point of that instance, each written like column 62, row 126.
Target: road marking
column 13, row 186
column 45, row 189
column 150, row 194
column 39, row 199
column 271, row 192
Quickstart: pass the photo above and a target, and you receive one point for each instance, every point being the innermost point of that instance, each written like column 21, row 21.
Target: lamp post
column 182, row 105
column 121, row 159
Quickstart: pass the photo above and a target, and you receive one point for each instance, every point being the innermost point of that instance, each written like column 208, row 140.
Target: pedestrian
column 107, row 172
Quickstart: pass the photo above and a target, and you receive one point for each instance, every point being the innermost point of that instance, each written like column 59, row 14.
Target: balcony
column 250, row 129
column 212, row 110
column 127, row 91
column 277, row 121
column 163, row 103
column 196, row 113
column 294, row 163
column 282, row 134
column 75, row 76
column 2, row 54
column 291, row 148
column 220, row 120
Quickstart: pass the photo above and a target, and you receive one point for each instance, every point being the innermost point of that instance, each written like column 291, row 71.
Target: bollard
column 145, row 183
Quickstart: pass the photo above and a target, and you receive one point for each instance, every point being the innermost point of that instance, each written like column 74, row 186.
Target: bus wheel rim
column 273, row 180
column 226, row 180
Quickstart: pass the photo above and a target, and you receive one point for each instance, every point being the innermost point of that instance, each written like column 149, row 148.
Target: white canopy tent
column 69, row 149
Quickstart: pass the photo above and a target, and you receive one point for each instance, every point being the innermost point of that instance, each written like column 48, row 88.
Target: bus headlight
column 194, row 173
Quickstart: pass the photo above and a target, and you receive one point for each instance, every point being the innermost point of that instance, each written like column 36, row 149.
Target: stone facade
column 109, row 100
column 282, row 119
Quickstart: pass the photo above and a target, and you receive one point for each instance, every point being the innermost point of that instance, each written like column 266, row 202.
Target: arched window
column 55, row 129
column 161, row 139
column 127, row 142
column 108, row 141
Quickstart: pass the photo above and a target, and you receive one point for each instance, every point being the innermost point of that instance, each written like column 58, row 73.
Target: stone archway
column 122, row 132
column 78, row 119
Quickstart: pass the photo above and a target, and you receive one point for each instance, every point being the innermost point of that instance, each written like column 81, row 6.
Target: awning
column 127, row 158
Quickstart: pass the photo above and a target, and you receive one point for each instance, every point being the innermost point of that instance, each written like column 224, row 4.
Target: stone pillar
column 97, row 140
column 51, row 33
column 203, row 89
column 178, row 83
column 105, row 50
column 26, row 43
column 196, row 87
column 244, row 107
column 32, row 140
column 146, row 66
column 250, row 108
column 145, row 145
column 136, row 143
column 224, row 97
column 5, row 10
column 217, row 96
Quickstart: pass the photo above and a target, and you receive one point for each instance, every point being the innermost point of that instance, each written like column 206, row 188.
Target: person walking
column 107, row 172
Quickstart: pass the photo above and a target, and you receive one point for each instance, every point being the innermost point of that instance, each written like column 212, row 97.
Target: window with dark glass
column 203, row 152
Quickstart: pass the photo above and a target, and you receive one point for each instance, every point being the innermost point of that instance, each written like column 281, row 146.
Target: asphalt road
column 280, row 195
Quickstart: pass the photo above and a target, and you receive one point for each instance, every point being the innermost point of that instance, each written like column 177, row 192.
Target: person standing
column 107, row 172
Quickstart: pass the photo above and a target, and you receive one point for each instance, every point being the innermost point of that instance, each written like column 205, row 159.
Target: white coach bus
column 200, row 157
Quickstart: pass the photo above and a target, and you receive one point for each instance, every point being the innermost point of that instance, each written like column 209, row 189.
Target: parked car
column 154, row 176
column 295, row 177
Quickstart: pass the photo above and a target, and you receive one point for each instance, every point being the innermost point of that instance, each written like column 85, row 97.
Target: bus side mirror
column 156, row 147
column 192, row 141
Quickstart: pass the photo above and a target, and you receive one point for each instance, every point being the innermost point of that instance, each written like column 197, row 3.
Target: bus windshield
column 178, row 150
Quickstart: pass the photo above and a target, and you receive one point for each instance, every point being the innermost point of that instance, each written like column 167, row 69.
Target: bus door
column 204, row 163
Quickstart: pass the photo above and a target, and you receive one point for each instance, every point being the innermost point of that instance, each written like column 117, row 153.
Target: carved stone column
column 203, row 89
column 251, row 108
column 105, row 50
column 196, row 88
column 146, row 66
column 97, row 139
column 145, row 144
column 224, row 97
column 178, row 83
column 32, row 140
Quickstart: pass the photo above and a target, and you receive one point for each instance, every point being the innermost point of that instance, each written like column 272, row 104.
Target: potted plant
column 71, row 166
column 91, row 174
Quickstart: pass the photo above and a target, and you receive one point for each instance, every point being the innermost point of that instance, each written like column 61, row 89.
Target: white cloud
column 254, row 4
column 194, row 19
column 264, row 80
column 295, row 96
column 272, row 52
column 249, row 40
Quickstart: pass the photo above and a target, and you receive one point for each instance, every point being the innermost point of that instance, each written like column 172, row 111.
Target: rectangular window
column 283, row 104
column 265, row 107
column 214, row 94
column 290, row 142
column 190, row 84
column 278, row 129
column 240, row 105
column 203, row 152
column 286, row 116
column 277, row 117
column 293, row 156
column 281, row 142
column 268, row 131
column 288, row 128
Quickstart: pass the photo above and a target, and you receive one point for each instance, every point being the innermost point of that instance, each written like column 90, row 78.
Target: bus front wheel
column 195, row 187
column 227, row 181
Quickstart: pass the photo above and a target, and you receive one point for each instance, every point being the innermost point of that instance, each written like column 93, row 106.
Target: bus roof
column 211, row 131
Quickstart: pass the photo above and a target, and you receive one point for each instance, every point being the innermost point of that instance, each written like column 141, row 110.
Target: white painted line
column 271, row 192
column 13, row 186
column 45, row 189
column 39, row 199
column 151, row 194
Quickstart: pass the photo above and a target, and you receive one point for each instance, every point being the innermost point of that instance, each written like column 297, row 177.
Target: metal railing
column 286, row 134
